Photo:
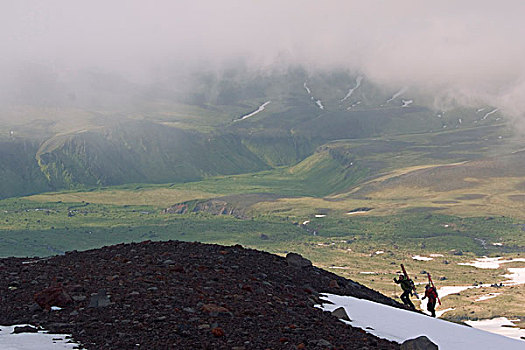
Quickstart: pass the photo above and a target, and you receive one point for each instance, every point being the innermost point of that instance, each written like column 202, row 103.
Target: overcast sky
column 472, row 50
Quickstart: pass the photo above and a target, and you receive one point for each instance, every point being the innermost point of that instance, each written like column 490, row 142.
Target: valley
column 366, row 182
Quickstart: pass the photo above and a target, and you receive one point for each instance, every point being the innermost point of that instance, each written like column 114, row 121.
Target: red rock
column 247, row 288
column 218, row 332
column 283, row 340
column 52, row 296
column 333, row 284
column 213, row 308
column 301, row 346
column 177, row 268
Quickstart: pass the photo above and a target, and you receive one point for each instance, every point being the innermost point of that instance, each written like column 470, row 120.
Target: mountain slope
column 19, row 171
column 213, row 124
column 184, row 295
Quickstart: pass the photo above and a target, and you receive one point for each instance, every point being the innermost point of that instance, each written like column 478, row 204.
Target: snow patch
column 317, row 102
column 320, row 215
column 379, row 252
column 260, row 109
column 307, row 88
column 489, row 113
column 399, row 325
column 490, row 263
column 487, row 296
column 422, row 258
column 32, row 341
column 353, row 105
column 407, row 103
column 516, row 276
column 448, row 290
column 499, row 325
column 351, row 91
column 397, row 94
column 436, row 255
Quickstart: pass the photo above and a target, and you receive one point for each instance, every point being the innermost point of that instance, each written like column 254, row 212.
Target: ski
column 408, row 278
column 432, row 284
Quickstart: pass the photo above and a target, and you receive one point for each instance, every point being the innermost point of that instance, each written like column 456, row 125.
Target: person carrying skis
column 431, row 294
column 407, row 285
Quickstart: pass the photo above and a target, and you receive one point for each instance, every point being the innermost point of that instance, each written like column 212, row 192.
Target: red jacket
column 431, row 293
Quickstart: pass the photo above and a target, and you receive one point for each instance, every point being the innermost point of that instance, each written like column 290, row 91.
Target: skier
column 407, row 285
column 431, row 294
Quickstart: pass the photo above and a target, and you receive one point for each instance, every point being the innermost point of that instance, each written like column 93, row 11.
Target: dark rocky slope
column 178, row 295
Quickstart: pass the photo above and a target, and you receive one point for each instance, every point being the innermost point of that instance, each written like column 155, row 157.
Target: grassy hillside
column 19, row 171
column 142, row 152
column 366, row 247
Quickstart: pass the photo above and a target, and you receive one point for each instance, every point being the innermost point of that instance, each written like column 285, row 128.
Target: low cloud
column 468, row 52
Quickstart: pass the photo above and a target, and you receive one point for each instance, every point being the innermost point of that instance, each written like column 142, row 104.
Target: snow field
column 399, row 325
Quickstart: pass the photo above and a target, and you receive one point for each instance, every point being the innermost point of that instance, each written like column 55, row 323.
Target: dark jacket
column 406, row 284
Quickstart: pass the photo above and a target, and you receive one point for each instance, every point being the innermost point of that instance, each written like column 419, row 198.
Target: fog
column 468, row 52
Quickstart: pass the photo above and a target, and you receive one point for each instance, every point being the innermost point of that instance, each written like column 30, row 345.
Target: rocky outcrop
column 178, row 295
column 419, row 343
column 211, row 206
column 296, row 260
column 177, row 209
column 218, row 207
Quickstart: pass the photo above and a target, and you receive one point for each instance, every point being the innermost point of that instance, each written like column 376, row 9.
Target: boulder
column 419, row 343
column 25, row 329
column 296, row 260
column 52, row 296
column 99, row 300
column 341, row 314
column 214, row 308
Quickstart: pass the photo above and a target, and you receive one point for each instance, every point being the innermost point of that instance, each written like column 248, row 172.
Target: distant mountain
column 103, row 130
